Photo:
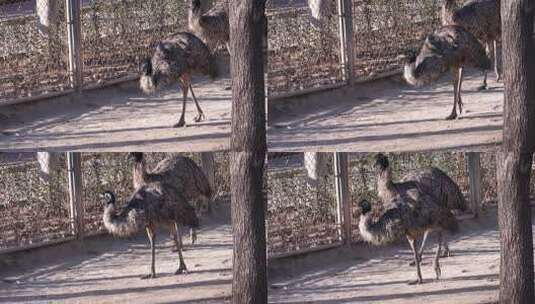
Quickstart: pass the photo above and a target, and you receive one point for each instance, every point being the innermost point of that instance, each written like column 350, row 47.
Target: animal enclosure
column 40, row 55
column 35, row 207
column 305, row 211
column 359, row 40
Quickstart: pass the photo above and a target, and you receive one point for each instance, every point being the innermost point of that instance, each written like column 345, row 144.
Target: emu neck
column 194, row 14
column 448, row 9
column 385, row 185
column 139, row 173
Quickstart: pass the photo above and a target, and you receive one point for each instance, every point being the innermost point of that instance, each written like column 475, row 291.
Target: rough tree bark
column 248, row 149
column 515, row 159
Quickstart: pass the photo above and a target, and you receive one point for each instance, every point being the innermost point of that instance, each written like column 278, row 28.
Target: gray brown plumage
column 447, row 193
column 482, row 19
column 151, row 206
column 410, row 215
column 429, row 208
column 177, row 58
column 211, row 27
column 437, row 182
column 179, row 172
column 449, row 48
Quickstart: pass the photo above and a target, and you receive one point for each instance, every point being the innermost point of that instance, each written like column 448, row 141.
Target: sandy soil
column 120, row 118
column 108, row 270
column 366, row 274
column 388, row 115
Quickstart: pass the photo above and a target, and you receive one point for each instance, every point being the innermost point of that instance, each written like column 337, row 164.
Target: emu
column 211, row 27
column 182, row 172
column 482, row 19
column 431, row 181
column 178, row 58
column 449, row 48
column 151, row 206
column 411, row 216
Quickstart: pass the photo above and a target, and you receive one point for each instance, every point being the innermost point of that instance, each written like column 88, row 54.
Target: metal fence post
column 345, row 13
column 74, row 33
column 474, row 173
column 74, row 168
column 341, row 174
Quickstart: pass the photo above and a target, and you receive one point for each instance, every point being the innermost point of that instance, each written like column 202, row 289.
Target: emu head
column 147, row 81
column 136, row 156
column 108, row 197
column 381, row 162
column 428, row 65
column 365, row 206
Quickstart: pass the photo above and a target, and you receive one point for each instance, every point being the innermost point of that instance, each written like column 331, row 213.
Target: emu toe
column 452, row 116
column 180, row 124
column 415, row 282
column 483, row 88
column 199, row 117
column 182, row 270
column 149, row 276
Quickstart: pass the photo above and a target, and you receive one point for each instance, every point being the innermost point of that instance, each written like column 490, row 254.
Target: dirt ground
column 120, row 118
column 366, row 274
column 389, row 115
column 108, row 270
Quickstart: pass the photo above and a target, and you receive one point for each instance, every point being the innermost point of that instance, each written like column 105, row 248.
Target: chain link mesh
column 301, row 211
column 386, row 29
column 33, row 49
column 36, row 210
column 300, row 55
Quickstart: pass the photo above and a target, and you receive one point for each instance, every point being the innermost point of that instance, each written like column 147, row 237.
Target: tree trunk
column 516, row 241
column 248, row 149
column 519, row 74
column 515, row 159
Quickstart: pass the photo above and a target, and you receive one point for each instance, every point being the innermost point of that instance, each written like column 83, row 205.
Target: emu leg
column 453, row 114
column 446, row 252
column 484, row 85
column 422, row 247
column 436, row 264
column 182, row 266
column 152, row 239
column 182, row 121
column 496, row 62
column 193, row 235
column 416, row 261
column 200, row 114
column 459, row 86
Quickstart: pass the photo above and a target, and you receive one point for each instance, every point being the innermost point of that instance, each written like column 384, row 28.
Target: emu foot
column 483, row 87
column 199, row 117
column 182, row 270
column 149, row 276
column 415, row 282
column 446, row 254
column 181, row 123
column 452, row 116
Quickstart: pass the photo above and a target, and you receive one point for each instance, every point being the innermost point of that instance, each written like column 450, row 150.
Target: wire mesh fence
column 34, row 208
column 115, row 37
column 384, row 30
column 118, row 35
column 300, row 55
column 301, row 211
column 304, row 54
column 33, row 49
column 302, row 216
